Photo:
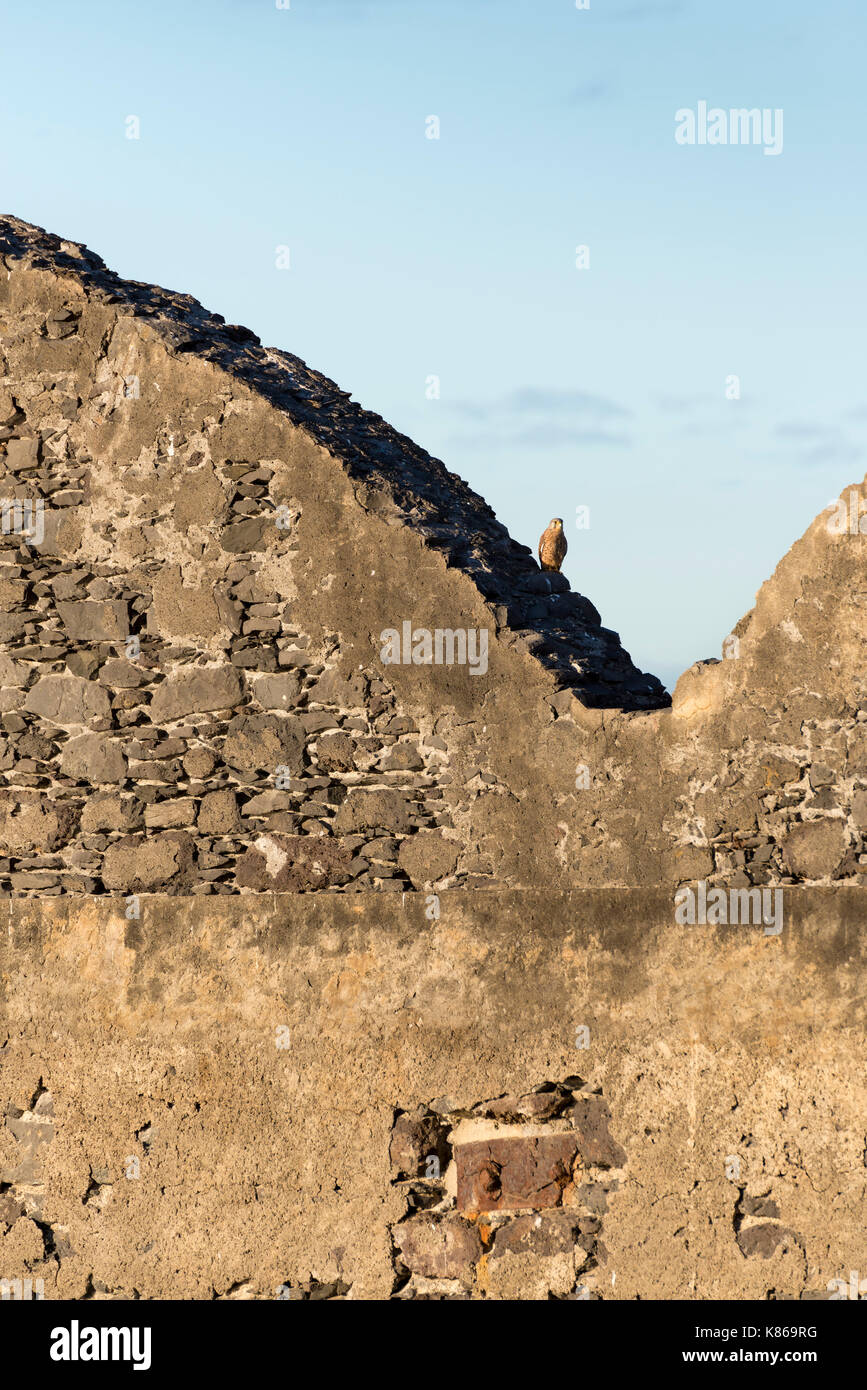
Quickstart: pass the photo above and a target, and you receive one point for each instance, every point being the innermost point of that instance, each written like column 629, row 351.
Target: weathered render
column 421, row 877
column 240, row 1097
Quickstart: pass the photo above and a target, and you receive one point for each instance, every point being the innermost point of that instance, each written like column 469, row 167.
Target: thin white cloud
column 541, row 436
column 540, row 400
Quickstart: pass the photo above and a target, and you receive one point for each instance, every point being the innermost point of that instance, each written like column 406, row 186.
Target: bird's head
column 557, row 521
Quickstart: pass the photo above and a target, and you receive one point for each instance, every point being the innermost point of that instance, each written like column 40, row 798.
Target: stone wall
column 303, row 990
column 194, row 693
column 531, row 1095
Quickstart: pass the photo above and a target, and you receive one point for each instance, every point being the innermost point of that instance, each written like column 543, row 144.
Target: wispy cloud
column 541, row 417
column 637, row 10
column 704, row 414
column 833, row 451
column 588, row 93
column 358, row 9
column 814, row 443
column 799, row 430
column 705, row 404
column 681, row 405
column 541, row 436
column 540, row 400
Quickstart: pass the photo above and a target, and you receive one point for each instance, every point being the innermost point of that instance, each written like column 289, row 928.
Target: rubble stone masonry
column 433, row 872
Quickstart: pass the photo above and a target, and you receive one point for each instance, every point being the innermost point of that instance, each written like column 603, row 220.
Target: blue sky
column 410, row 257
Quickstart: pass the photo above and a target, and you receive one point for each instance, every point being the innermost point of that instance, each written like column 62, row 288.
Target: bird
column 552, row 545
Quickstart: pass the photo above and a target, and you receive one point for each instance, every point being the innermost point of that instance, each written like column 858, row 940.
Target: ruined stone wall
column 194, row 693
column 532, row 1095
column 298, row 997
column 194, row 698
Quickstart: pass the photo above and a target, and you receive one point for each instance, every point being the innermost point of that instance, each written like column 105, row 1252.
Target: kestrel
column 552, row 545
